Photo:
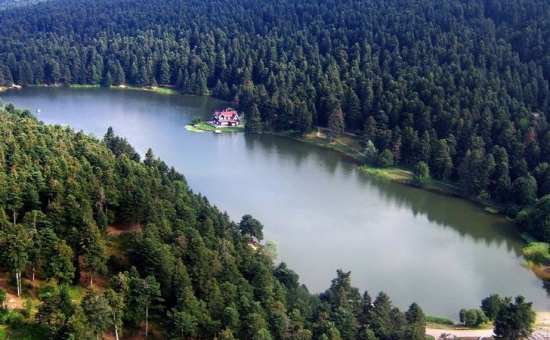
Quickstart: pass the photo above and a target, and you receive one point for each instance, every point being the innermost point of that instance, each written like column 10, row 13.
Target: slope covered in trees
column 460, row 85
column 188, row 268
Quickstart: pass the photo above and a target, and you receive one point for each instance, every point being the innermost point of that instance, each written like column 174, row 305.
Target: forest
column 460, row 85
column 186, row 268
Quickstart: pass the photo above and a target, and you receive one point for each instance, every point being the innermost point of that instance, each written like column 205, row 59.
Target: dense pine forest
column 184, row 267
column 460, row 85
column 17, row 3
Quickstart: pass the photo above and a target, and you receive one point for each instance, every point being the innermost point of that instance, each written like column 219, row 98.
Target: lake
column 319, row 208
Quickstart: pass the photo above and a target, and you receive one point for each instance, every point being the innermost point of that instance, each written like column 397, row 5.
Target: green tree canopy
column 515, row 320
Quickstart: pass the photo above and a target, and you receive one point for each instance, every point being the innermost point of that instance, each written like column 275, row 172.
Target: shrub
column 537, row 252
column 385, row 159
column 439, row 320
column 472, row 317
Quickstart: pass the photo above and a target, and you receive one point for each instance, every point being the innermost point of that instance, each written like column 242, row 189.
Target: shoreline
column 541, row 326
column 398, row 175
column 163, row 89
column 393, row 174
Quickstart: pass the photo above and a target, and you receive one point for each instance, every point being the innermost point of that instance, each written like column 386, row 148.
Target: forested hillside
column 461, row 85
column 17, row 3
column 179, row 260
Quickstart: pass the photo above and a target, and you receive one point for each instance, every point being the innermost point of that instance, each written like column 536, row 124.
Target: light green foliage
column 421, row 174
column 270, row 248
column 472, row 317
column 370, row 151
column 116, row 304
column 96, row 311
column 537, row 252
column 2, row 298
column 196, row 120
column 95, row 255
column 385, row 159
column 15, row 246
column 439, row 320
column 55, row 313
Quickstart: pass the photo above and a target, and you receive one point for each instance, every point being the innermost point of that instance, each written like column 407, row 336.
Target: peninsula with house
column 226, row 117
column 225, row 120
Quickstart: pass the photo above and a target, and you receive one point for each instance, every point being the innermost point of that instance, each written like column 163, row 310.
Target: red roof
column 230, row 115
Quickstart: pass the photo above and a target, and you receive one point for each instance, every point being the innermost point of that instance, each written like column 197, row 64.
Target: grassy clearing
column 350, row 146
column 393, row 174
column 203, row 126
column 83, row 86
column 165, row 90
column 192, row 128
column 536, row 253
column 160, row 90
column 491, row 210
column 435, row 321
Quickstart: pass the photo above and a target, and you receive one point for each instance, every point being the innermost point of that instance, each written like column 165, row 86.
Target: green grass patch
column 387, row 173
column 84, row 86
column 347, row 145
column 165, row 90
column 192, row 128
column 77, row 293
column 203, row 126
column 160, row 90
column 350, row 146
column 438, row 320
column 491, row 210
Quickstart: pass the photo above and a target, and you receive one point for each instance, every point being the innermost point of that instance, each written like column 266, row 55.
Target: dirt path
column 462, row 333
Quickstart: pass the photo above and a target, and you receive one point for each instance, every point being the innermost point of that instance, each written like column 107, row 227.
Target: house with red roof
column 227, row 117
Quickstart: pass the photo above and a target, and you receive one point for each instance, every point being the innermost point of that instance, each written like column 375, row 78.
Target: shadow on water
column 466, row 218
column 299, row 153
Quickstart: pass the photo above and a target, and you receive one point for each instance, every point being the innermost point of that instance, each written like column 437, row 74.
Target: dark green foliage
column 416, row 323
column 447, row 88
column 472, row 317
column 536, row 220
column 251, row 227
column 97, row 311
column 335, row 123
column 189, row 267
column 491, row 306
column 55, row 313
column 515, row 320
column 253, row 121
column 385, row 159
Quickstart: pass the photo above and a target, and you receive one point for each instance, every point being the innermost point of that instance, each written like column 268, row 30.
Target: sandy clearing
column 542, row 328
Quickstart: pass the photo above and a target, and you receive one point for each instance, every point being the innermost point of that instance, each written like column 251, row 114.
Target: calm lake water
column 320, row 209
